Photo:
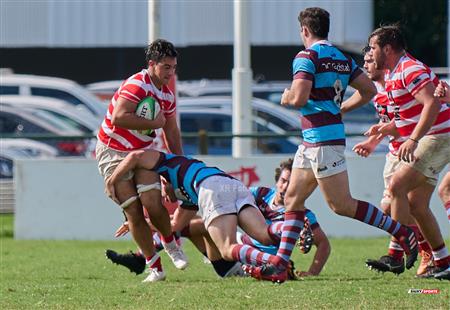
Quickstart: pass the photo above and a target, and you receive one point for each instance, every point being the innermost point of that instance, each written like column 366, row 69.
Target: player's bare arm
column 298, row 94
column 173, row 136
column 134, row 160
column 124, row 116
column 365, row 91
column 322, row 253
column 181, row 218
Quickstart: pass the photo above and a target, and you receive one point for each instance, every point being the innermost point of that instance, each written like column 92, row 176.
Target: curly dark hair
column 390, row 34
column 159, row 49
column 285, row 164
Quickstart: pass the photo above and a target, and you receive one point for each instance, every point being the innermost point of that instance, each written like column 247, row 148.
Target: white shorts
column 391, row 165
column 108, row 159
column 220, row 195
column 433, row 153
column 325, row 161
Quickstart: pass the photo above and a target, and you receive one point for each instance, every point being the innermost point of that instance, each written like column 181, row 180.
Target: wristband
column 417, row 141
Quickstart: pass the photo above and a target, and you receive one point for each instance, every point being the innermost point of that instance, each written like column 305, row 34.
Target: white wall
column 100, row 23
column 64, row 199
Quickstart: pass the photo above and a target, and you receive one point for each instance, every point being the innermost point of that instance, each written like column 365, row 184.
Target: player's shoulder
column 409, row 63
column 167, row 94
column 138, row 78
column 307, row 53
column 261, row 191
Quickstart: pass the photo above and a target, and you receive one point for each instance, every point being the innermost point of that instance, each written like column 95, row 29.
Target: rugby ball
column 148, row 108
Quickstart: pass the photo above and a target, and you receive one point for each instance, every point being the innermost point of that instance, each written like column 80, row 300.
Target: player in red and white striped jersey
column 425, row 123
column 120, row 133
column 394, row 260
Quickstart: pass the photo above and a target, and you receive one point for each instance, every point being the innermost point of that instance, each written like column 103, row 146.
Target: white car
column 104, row 90
column 28, row 148
column 80, row 119
column 63, row 89
column 27, row 122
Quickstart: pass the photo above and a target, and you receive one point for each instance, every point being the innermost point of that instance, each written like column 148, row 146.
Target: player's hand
column 110, row 191
column 406, row 151
column 363, row 149
column 373, row 130
column 167, row 193
column 122, row 230
column 285, row 97
column 442, row 90
column 387, row 129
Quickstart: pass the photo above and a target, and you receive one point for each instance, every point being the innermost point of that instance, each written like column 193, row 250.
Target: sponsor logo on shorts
column 338, row 163
column 320, row 169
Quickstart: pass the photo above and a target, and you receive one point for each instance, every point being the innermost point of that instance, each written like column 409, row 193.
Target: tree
column 424, row 24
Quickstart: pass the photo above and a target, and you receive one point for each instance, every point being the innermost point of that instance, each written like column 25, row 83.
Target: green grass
column 75, row 275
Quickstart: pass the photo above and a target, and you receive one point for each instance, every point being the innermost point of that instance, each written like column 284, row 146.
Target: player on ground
column 424, row 124
column 321, row 74
column 225, row 202
column 270, row 202
column 196, row 232
column 119, row 134
column 394, row 259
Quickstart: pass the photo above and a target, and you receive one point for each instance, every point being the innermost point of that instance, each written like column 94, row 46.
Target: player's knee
column 292, row 203
column 134, row 212
column 397, row 187
column 150, row 195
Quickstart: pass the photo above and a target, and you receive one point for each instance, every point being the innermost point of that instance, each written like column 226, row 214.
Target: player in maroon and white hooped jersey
column 424, row 123
column 394, row 260
column 120, row 133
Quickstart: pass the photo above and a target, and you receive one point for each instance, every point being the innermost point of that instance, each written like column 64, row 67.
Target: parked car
column 20, row 122
column 219, row 120
column 82, row 120
column 7, row 158
column 29, row 148
column 286, row 120
column 267, row 90
column 104, row 90
column 63, row 89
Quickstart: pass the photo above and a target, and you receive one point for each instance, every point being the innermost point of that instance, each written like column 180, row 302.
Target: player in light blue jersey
column 321, row 74
column 270, row 202
column 224, row 201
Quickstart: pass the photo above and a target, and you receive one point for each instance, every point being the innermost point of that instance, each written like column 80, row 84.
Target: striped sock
column 369, row 214
column 395, row 250
column 246, row 239
column 154, row 262
column 251, row 256
column 423, row 244
column 274, row 230
column 441, row 256
column 292, row 226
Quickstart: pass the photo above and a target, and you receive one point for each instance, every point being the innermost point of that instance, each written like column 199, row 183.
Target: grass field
column 76, row 275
